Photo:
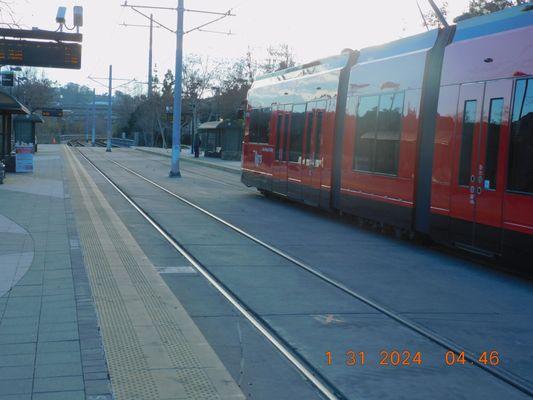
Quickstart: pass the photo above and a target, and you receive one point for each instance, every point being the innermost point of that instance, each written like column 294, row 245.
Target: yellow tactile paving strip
column 153, row 348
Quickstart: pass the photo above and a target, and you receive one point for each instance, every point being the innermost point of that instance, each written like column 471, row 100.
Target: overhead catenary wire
column 221, row 15
column 127, row 81
column 228, row 33
column 208, row 23
column 422, row 15
column 155, row 21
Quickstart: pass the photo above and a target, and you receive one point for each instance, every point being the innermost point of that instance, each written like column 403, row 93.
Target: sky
column 312, row 28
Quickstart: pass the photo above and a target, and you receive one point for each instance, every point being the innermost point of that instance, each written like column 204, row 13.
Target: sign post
column 24, row 157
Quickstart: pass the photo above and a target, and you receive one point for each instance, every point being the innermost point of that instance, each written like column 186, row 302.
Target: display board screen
column 40, row 54
column 52, row 112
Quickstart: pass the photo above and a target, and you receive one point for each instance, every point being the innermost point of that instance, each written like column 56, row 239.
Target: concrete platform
column 84, row 314
column 50, row 346
column 187, row 157
column 154, row 349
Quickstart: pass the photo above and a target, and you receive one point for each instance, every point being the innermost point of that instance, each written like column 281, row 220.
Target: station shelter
column 24, row 127
column 9, row 106
column 222, row 138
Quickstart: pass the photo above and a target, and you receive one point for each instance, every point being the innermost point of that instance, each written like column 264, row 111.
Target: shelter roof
column 10, row 105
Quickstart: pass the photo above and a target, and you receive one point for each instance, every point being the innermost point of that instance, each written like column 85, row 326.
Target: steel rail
column 307, row 370
column 498, row 372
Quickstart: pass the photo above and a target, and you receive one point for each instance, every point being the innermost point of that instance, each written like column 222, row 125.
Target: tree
column 124, row 106
column 74, row 94
column 198, row 77
column 251, row 66
column 168, row 86
column 430, row 18
column 35, row 91
column 233, row 87
column 7, row 11
column 482, row 7
column 279, row 57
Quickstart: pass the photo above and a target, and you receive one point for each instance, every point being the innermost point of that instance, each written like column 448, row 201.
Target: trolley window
column 286, row 133
column 493, row 143
column 387, row 147
column 367, row 112
column 318, row 133
column 260, row 125
column 467, row 140
column 296, row 135
column 520, row 176
column 308, row 131
column 378, row 133
column 319, row 111
column 279, row 127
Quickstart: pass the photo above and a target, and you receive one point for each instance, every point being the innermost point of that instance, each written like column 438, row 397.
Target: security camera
column 61, row 13
column 78, row 16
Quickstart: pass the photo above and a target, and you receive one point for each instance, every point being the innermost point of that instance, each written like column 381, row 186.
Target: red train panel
column 432, row 133
column 474, row 204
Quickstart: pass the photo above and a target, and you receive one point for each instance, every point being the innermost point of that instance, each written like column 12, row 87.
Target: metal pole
column 150, row 79
column 439, row 14
column 87, row 124
column 193, row 126
column 109, row 101
column 176, row 125
column 93, row 129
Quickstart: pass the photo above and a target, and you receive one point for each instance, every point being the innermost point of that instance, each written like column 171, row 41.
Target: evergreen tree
column 482, row 7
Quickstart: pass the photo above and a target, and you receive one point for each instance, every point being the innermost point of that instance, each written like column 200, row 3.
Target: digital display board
column 40, row 54
column 8, row 78
column 52, row 112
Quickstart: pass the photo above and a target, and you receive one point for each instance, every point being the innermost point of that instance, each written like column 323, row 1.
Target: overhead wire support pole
column 176, row 122
column 93, row 130
column 87, row 123
column 109, row 111
column 150, row 78
column 110, row 88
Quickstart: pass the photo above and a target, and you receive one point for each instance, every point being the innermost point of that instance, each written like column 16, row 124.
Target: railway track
column 318, row 380
column 78, row 143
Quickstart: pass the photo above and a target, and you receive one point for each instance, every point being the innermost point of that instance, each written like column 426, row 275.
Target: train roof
column 507, row 19
column 325, row 64
column 420, row 42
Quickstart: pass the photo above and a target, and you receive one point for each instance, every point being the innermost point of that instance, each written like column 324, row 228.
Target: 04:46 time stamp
column 406, row 358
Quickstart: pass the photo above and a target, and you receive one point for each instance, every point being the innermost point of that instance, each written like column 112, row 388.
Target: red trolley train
column 431, row 134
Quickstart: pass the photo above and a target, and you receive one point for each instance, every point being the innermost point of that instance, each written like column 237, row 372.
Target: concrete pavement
column 50, row 346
